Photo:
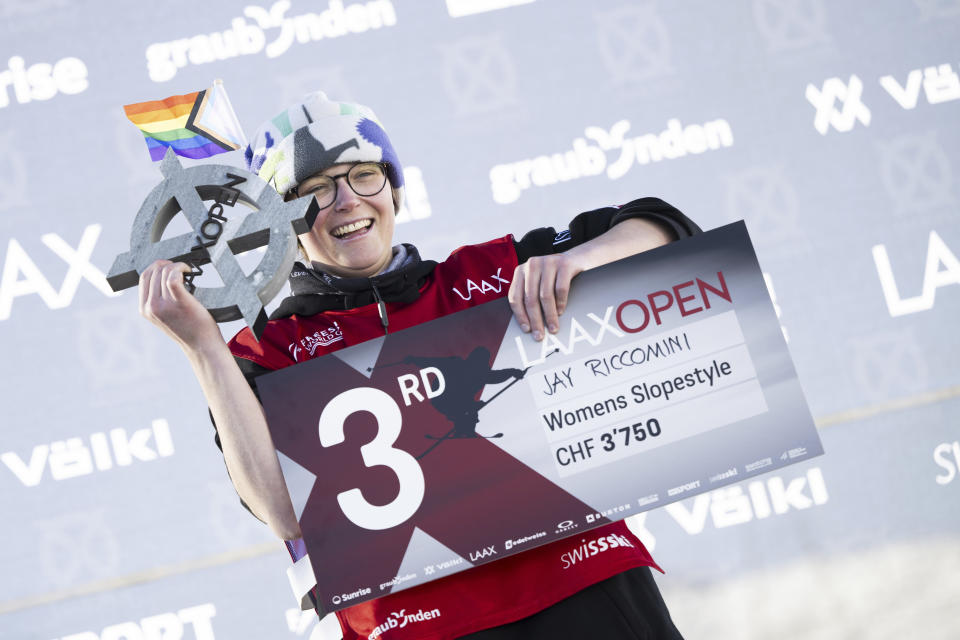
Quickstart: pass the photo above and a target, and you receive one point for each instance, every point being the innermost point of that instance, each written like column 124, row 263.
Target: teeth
column 350, row 228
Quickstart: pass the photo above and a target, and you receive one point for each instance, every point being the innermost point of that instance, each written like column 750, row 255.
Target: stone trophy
column 212, row 198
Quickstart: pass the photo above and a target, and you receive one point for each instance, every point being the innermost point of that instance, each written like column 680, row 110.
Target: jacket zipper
column 381, row 308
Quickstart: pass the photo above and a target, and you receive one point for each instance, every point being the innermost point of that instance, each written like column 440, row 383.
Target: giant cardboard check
column 462, row 441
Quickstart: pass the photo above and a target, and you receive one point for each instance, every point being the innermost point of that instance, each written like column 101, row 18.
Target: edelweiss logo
column 509, row 544
column 243, row 38
column 484, row 287
column 313, row 342
column 398, row 620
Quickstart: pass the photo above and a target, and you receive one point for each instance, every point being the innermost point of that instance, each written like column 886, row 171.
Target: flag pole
column 218, row 83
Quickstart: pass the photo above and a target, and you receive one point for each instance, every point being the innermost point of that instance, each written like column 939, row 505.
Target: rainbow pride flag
column 195, row 125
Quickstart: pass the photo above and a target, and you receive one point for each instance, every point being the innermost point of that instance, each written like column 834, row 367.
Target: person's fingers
column 565, row 275
column 531, row 297
column 515, row 297
column 143, row 289
column 164, row 286
column 548, row 297
column 151, row 282
column 156, row 290
column 173, row 285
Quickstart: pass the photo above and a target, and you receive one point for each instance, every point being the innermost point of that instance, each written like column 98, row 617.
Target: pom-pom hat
column 317, row 133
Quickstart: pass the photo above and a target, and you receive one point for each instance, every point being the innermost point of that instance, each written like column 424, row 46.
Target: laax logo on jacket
column 318, row 339
column 484, row 287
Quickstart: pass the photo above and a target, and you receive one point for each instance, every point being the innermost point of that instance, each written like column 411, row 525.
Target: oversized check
column 462, row 441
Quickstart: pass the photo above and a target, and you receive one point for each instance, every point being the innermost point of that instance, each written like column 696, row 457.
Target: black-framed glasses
column 364, row 178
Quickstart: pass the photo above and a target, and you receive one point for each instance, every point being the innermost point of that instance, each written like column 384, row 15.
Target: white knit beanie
column 317, row 133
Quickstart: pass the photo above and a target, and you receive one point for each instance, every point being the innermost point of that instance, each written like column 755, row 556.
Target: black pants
column 627, row 606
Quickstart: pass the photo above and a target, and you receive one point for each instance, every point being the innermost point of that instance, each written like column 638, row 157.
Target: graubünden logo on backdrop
column 588, row 156
column 164, row 59
column 243, row 213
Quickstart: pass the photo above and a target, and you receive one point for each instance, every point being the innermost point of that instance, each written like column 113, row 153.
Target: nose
column 346, row 198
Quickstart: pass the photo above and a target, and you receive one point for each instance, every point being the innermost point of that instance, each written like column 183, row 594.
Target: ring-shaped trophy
column 221, row 231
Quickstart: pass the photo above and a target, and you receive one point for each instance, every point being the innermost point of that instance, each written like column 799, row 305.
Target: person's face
column 352, row 236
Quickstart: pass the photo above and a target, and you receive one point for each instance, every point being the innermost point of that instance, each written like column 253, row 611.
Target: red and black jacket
column 352, row 311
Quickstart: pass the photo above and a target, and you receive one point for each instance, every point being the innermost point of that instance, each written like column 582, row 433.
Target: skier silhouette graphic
column 464, row 378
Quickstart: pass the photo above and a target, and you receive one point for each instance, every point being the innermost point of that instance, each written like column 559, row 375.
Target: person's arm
column 541, row 283
column 247, row 446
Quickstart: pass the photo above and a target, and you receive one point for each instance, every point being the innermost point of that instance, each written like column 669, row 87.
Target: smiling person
column 354, row 284
column 350, row 241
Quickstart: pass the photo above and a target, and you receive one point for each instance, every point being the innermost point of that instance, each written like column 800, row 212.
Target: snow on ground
column 897, row 592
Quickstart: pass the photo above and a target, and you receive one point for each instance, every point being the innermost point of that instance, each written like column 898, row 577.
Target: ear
column 395, row 196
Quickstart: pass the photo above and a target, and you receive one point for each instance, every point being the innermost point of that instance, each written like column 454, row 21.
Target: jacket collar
column 316, row 291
